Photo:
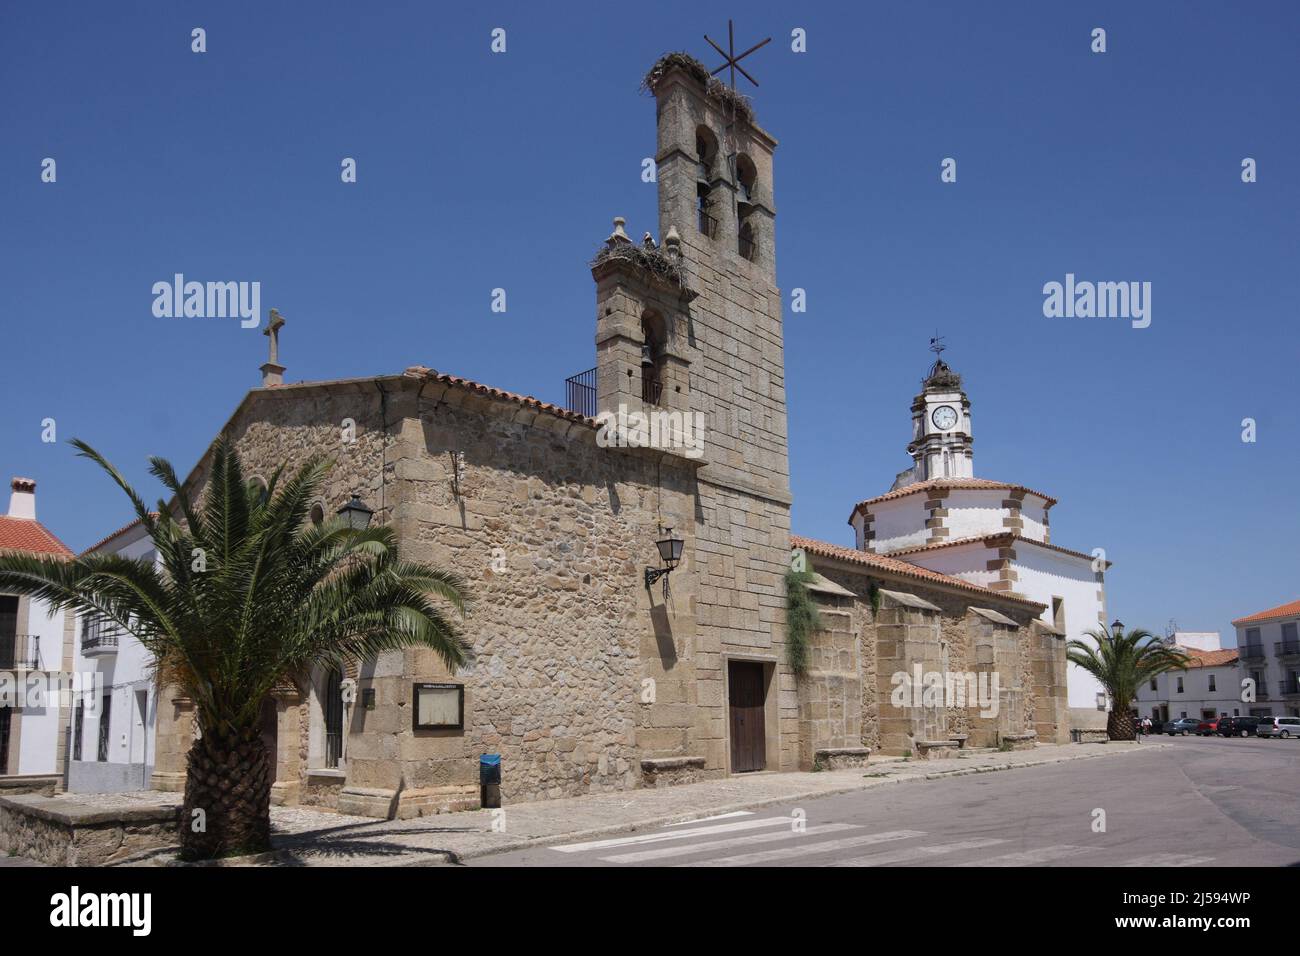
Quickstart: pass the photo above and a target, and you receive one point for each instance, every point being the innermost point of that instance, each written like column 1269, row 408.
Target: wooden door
column 746, row 697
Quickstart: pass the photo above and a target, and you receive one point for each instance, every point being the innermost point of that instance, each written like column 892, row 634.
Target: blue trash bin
column 489, row 779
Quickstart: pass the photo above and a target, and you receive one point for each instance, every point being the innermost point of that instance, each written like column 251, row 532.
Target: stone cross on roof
column 272, row 370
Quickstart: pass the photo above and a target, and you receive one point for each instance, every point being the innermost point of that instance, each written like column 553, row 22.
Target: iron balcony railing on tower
column 580, row 393
column 20, row 652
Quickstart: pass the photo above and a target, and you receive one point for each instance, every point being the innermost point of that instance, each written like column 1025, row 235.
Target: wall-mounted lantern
column 670, row 552
column 356, row 514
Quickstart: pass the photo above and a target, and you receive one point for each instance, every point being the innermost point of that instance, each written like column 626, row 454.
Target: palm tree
column 249, row 593
column 1121, row 661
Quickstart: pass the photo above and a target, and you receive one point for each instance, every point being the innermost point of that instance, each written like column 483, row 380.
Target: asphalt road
column 1202, row 802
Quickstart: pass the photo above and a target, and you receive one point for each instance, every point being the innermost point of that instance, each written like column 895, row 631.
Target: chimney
column 22, row 500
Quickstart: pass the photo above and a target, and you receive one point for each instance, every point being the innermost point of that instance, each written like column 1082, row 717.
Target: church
column 630, row 627
column 938, row 515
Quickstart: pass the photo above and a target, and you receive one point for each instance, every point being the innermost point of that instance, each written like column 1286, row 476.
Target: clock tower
column 941, row 432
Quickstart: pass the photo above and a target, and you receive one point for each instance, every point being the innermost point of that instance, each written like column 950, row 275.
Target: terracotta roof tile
column 895, row 566
column 491, row 392
column 997, row 539
column 120, row 531
column 28, row 534
column 1282, row 610
column 1200, row 658
column 940, row 483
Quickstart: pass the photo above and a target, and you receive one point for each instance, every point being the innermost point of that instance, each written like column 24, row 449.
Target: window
column 1153, row 683
column 1180, row 685
column 78, row 724
column 1183, row 714
column 333, row 718
column 706, row 152
column 317, row 515
column 1212, row 687
column 105, row 711
column 1058, row 614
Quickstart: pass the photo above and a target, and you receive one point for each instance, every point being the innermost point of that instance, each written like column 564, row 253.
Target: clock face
column 944, row 418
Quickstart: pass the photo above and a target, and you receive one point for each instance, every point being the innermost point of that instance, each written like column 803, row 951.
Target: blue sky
column 478, row 171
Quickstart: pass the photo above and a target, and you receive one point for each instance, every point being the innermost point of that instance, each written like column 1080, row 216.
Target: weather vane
column 936, row 344
column 733, row 61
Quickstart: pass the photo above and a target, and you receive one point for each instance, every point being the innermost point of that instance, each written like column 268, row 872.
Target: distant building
column 1269, row 647
column 34, row 641
column 1210, row 686
column 112, row 746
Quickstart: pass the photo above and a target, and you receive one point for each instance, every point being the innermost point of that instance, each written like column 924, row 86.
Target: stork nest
column 737, row 102
column 941, row 376
column 655, row 262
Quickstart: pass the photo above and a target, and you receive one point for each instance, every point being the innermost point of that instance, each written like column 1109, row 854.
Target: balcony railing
column 708, row 225
column 651, row 391
column 580, row 393
column 99, row 636
column 1252, row 652
column 1290, row 687
column 1287, row 648
column 20, row 652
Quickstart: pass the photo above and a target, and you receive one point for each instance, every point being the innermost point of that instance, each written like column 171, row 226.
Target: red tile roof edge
column 957, row 484
column 29, row 536
column 1290, row 609
column 986, row 538
column 889, row 564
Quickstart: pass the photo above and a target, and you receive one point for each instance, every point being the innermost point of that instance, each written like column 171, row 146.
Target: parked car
column 1207, row 727
column 1182, row 726
column 1278, row 727
column 1237, row 726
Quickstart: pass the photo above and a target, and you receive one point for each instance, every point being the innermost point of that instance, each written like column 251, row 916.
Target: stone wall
column 59, row 831
column 937, row 629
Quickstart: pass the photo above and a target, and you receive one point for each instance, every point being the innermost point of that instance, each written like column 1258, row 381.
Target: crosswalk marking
column 825, row 846
column 663, row 853
column 1030, row 857
column 720, row 816
column 918, row 852
column 660, row 835
column 1169, row 859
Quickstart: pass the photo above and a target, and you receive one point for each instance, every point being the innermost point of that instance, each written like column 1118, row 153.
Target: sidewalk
column 306, row 836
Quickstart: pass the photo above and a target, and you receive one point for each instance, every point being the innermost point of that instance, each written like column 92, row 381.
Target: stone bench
column 1089, row 736
column 1020, row 741
column 671, row 771
column 840, row 758
column 935, row 749
column 959, row 740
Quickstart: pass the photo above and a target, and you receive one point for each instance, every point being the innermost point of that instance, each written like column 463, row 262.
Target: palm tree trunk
column 227, row 807
column 1119, row 725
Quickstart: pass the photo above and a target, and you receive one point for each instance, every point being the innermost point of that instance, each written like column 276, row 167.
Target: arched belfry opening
column 746, row 230
column 653, row 357
column 706, row 200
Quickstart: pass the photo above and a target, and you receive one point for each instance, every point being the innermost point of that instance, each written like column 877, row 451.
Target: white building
column 35, row 642
column 112, row 746
column 1210, row 686
column 1269, row 647
column 991, row 533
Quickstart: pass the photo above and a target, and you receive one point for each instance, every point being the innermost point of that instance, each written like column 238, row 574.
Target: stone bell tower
column 695, row 325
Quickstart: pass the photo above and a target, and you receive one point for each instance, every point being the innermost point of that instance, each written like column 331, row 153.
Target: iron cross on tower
column 733, row 64
column 936, row 345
